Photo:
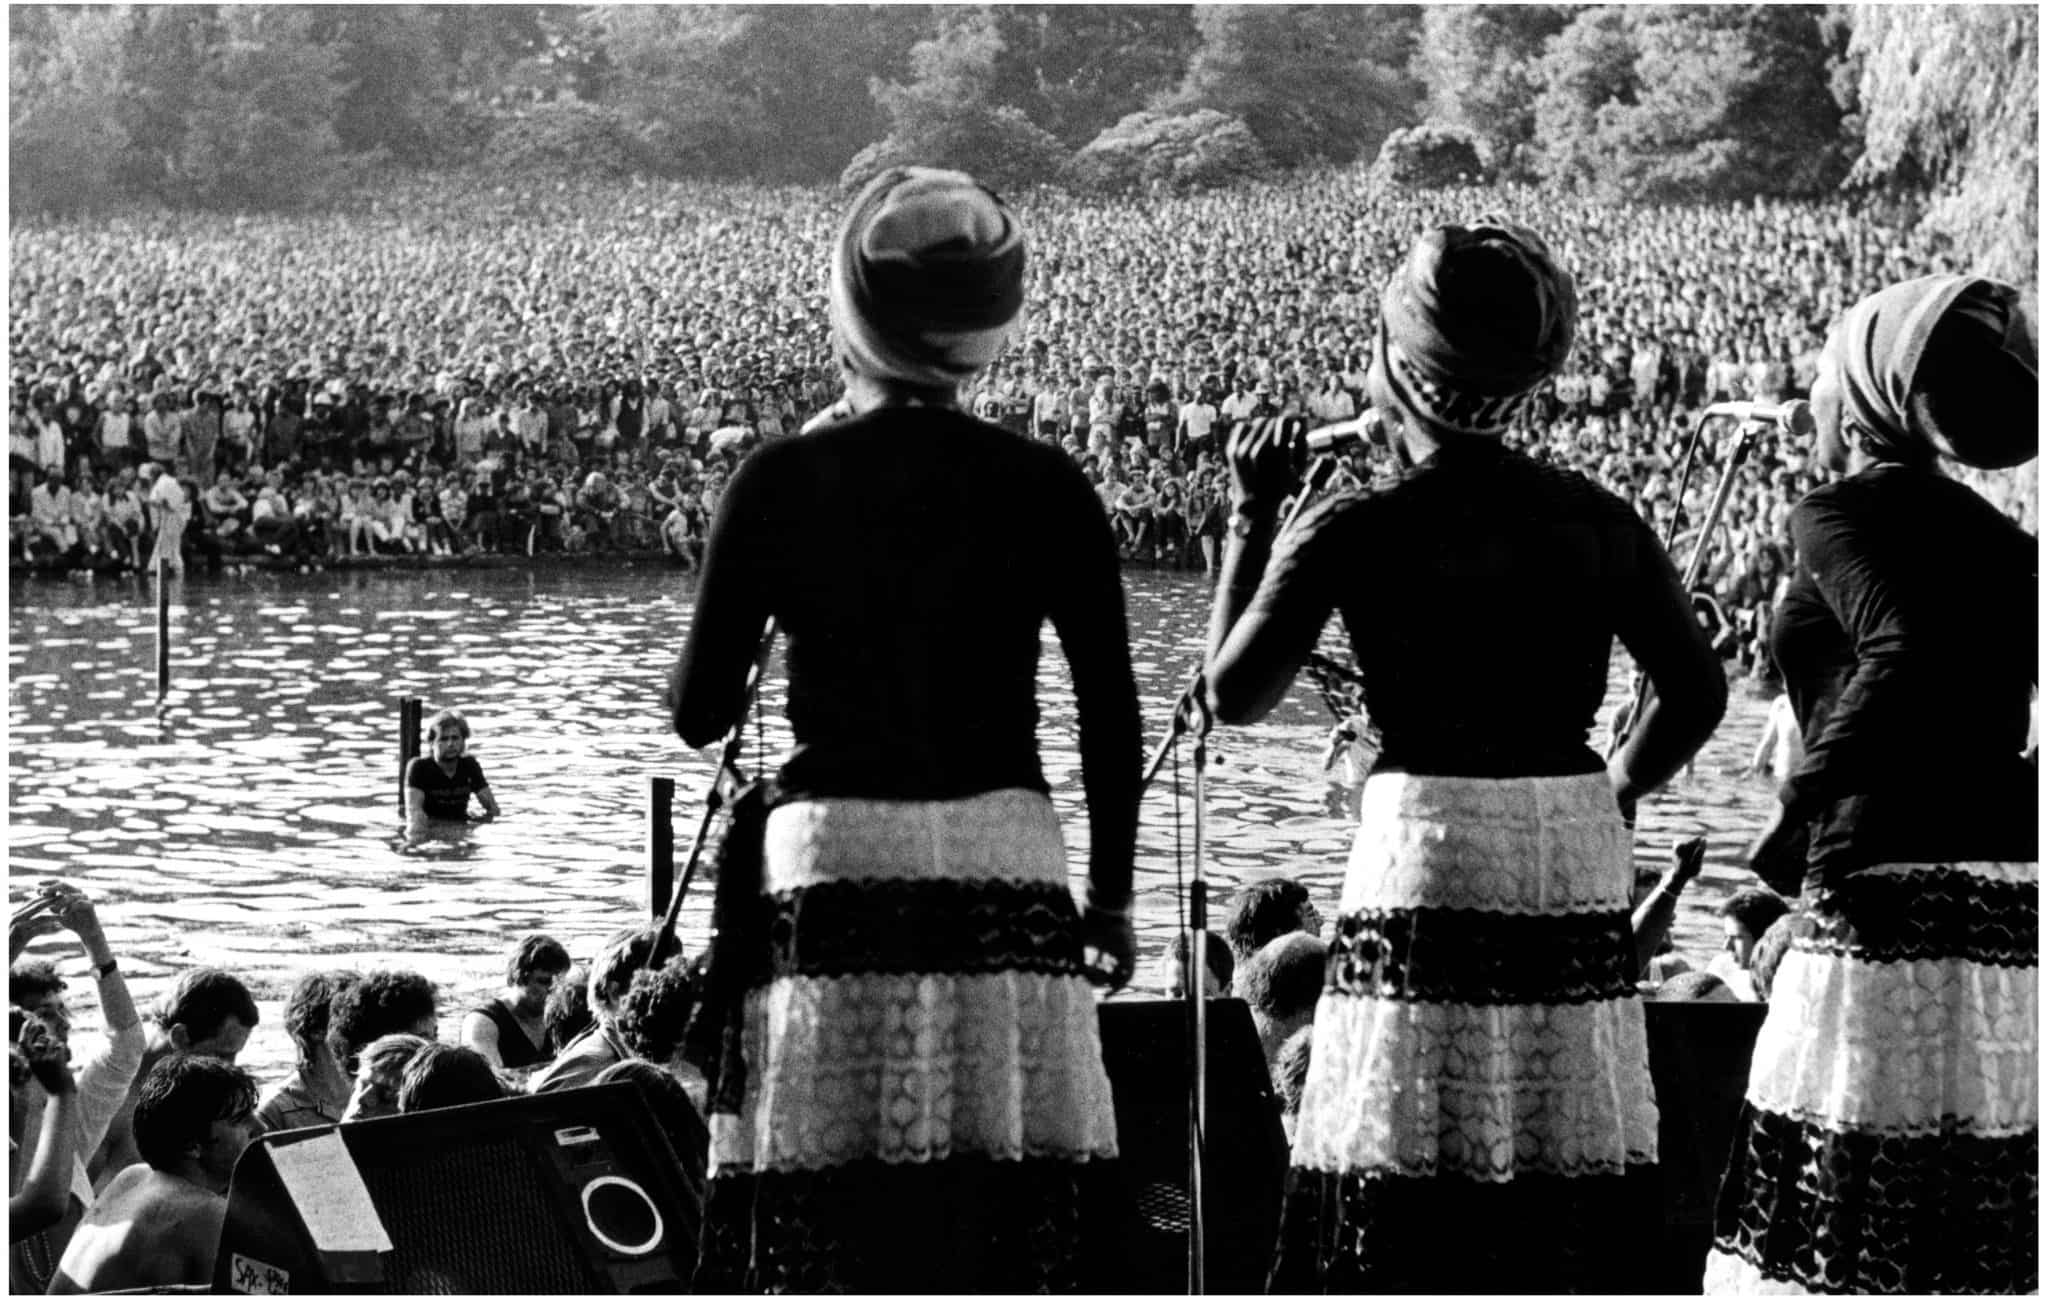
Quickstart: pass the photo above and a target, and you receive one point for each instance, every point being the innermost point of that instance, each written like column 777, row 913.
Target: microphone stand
column 1191, row 716
column 726, row 783
column 1745, row 439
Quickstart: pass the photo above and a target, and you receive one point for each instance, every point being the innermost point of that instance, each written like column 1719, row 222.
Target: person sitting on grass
column 159, row 1222
column 439, row 784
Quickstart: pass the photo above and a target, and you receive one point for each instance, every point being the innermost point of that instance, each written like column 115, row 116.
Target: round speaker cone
column 622, row 1217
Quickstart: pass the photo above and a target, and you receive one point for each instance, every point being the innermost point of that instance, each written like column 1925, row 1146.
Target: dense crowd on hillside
column 453, row 368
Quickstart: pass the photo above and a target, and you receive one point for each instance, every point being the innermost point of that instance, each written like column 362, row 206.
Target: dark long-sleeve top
column 1482, row 592
column 910, row 557
column 1908, row 644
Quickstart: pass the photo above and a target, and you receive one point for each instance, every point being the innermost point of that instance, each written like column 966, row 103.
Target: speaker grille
column 475, row 1219
column 1164, row 1207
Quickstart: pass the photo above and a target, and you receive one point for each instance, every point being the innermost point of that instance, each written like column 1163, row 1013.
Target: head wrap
column 1472, row 322
column 927, row 277
column 1877, row 348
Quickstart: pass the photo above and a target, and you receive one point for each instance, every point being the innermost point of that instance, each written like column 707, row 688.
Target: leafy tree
column 944, row 116
column 1151, row 150
column 1948, row 97
column 563, row 138
column 1478, row 65
column 1590, row 64
column 66, row 138
column 260, row 132
column 1078, row 69
column 1311, row 81
column 1432, row 156
column 396, row 94
column 1704, row 101
column 776, row 91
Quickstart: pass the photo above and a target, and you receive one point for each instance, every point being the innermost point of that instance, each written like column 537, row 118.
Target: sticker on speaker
column 250, row 1275
column 622, row 1216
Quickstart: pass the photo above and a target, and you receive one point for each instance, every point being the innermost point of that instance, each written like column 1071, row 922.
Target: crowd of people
column 529, row 371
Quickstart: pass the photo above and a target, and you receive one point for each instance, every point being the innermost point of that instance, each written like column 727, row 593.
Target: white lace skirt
column 922, row 1060
column 1478, row 1047
column 1891, row 1128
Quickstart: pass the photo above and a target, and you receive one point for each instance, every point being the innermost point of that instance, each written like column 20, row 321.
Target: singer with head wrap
column 1892, row 1117
column 924, row 1106
column 1478, row 1115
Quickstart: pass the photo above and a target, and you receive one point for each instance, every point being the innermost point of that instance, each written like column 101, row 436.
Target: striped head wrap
column 1472, row 322
column 927, row 278
column 1876, row 352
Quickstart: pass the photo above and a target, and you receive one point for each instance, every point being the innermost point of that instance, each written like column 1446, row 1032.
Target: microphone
column 1364, row 428
column 1782, row 413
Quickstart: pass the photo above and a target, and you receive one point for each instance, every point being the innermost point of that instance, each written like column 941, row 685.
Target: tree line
column 241, row 107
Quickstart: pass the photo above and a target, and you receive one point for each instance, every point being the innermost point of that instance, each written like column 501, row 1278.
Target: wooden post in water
column 408, row 741
column 661, row 844
column 163, row 632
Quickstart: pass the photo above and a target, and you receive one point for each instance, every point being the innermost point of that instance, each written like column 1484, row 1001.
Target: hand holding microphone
column 1266, row 459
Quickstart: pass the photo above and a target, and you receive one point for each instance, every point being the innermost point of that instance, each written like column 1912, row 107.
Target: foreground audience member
column 1290, row 1076
column 380, row 1070
column 206, row 1012
column 39, row 1079
column 317, row 1090
column 1266, row 910
column 1650, row 917
column 1217, row 971
column 104, row 1074
column 1450, row 1080
column 158, row 1223
column 378, row 1004
column 510, row 1028
column 1745, row 916
column 600, row 1045
column 1900, row 1055
column 1280, row 983
column 652, row 1016
column 441, row 1077
column 568, row 1015
column 915, row 868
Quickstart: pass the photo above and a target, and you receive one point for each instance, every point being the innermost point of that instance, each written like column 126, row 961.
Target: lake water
column 253, row 825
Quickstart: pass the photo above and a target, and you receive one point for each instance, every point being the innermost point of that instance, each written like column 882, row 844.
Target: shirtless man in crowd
column 159, row 1222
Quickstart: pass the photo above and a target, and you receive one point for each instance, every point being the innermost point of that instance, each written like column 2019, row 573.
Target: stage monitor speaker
column 1699, row 1065
column 570, row 1192
column 1145, row 1049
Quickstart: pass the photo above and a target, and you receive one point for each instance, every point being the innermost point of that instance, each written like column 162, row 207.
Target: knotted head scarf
column 1976, row 401
column 927, row 278
column 1472, row 322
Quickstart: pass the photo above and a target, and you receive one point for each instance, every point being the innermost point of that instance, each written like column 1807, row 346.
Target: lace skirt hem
column 1890, row 1135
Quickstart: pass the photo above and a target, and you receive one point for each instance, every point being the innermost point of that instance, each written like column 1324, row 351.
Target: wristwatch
column 1243, row 525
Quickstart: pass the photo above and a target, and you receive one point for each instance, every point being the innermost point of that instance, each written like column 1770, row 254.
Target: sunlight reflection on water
column 254, row 826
